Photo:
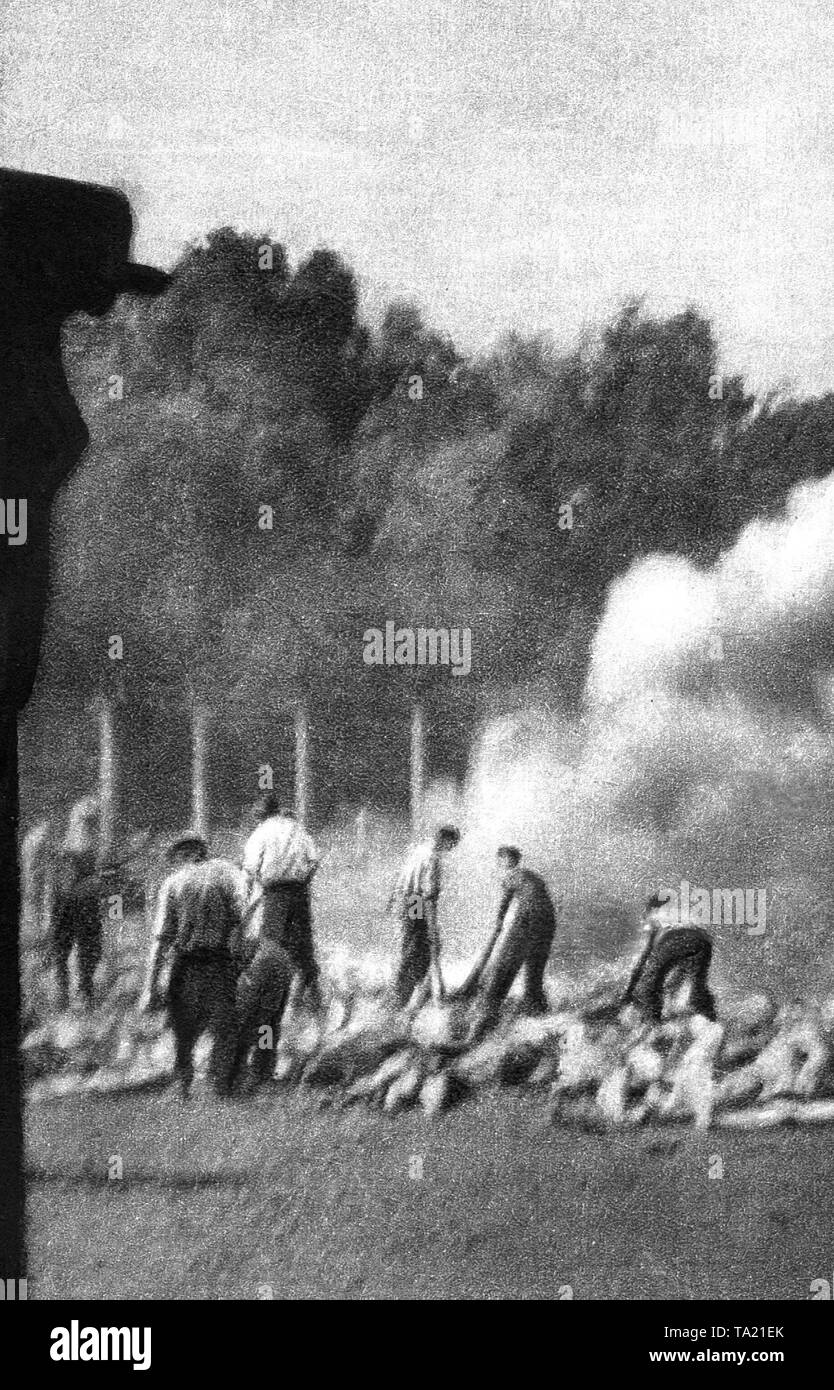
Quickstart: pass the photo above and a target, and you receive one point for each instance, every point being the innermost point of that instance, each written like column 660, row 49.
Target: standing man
column 76, row 910
column 673, row 950
column 522, row 938
column 279, row 861
column 199, row 927
column 414, row 896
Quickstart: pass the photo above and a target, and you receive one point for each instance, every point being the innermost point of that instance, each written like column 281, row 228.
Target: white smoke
column 705, row 753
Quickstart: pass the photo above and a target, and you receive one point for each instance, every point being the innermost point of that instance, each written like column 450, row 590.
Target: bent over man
column 522, row 938
column 199, row 927
column 262, row 994
column 672, row 952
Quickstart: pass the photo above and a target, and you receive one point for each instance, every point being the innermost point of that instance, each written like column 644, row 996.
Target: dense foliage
column 407, row 483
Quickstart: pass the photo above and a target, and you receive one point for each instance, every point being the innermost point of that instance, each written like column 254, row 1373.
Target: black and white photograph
column 417, row 659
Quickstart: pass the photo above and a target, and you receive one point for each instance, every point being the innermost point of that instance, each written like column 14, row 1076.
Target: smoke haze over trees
column 503, row 493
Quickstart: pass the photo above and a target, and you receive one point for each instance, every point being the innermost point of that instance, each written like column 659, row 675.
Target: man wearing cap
column 521, row 940
column 414, row 898
column 199, row 928
column 673, row 951
column 279, row 861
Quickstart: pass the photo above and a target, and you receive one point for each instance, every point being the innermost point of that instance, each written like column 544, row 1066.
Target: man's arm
column 312, row 857
column 473, row 979
column 433, row 936
column 507, row 894
column 149, row 997
column 238, row 889
column 238, row 895
column 638, row 968
column 164, row 936
column 396, row 894
column 253, row 853
column 430, row 883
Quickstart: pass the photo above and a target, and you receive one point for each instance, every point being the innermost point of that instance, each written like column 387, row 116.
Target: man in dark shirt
column 523, row 936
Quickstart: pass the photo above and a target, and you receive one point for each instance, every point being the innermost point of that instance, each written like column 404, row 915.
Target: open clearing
column 218, row 1200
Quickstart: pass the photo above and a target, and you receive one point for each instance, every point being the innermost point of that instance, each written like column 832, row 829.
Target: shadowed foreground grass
column 217, row 1201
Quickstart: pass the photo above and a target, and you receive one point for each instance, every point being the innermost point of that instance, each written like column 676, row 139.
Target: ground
column 229, row 1201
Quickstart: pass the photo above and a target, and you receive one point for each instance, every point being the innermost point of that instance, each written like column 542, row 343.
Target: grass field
column 217, row 1201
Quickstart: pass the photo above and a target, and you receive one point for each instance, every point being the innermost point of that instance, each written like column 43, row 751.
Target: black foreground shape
column 64, row 247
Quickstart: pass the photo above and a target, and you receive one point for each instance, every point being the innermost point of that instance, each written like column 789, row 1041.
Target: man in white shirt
column 279, row 860
column 414, row 897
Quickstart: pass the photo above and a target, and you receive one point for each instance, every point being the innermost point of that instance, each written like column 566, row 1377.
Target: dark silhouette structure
column 64, row 248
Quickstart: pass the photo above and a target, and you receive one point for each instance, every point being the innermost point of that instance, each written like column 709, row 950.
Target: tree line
column 270, row 476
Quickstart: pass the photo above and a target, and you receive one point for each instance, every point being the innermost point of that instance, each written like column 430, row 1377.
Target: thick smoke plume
column 703, row 754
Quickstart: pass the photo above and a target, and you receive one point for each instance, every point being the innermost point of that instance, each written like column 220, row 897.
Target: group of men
column 520, row 941
column 674, row 954
column 230, row 943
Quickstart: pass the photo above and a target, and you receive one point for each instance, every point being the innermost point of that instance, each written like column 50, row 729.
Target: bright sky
column 517, row 164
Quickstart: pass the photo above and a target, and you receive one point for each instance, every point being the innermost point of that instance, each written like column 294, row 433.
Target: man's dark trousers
column 684, row 949
column 415, row 956
column 525, row 943
column 286, row 921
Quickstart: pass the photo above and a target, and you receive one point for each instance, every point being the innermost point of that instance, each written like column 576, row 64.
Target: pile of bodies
column 593, row 1066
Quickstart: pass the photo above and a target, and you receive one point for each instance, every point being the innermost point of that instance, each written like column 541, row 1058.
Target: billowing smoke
column 704, row 755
